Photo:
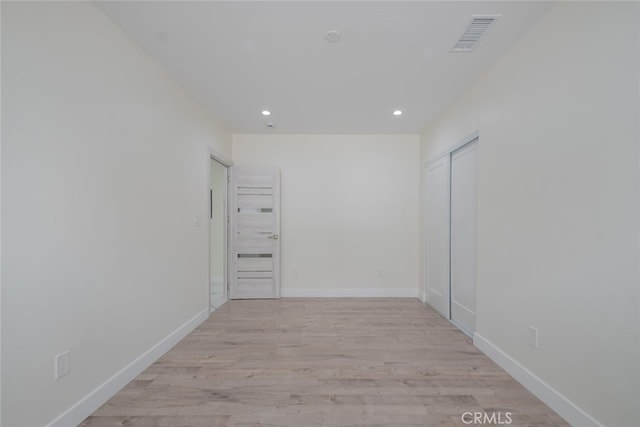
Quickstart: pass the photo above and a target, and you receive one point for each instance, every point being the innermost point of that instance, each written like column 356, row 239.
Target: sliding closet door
column 464, row 202
column 437, row 236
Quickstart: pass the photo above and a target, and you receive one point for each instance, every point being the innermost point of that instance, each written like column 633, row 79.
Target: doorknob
column 274, row 237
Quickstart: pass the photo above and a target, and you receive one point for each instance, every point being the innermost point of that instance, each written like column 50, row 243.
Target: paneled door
column 464, row 202
column 437, row 235
column 254, row 261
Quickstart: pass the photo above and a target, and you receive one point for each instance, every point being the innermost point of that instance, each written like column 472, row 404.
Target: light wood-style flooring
column 322, row 362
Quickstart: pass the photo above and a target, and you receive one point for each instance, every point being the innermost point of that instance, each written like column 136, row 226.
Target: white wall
column 104, row 165
column 0, row 235
column 558, row 203
column 349, row 219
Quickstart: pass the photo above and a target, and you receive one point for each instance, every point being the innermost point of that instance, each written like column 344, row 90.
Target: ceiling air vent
column 476, row 29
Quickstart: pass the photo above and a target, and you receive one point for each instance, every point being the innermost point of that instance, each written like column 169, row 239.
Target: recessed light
column 266, row 112
column 397, row 113
column 333, row 36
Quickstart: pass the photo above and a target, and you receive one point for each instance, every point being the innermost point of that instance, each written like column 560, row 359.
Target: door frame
column 446, row 153
column 217, row 157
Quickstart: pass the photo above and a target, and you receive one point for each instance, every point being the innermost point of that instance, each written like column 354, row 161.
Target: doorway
column 217, row 234
column 254, row 270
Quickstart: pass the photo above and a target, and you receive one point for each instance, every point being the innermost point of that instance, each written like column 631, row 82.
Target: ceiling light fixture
column 266, row 112
column 332, row 36
column 397, row 113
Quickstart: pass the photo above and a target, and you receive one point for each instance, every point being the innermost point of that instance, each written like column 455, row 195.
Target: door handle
column 274, row 237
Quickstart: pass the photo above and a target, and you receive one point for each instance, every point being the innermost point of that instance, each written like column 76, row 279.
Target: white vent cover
column 476, row 29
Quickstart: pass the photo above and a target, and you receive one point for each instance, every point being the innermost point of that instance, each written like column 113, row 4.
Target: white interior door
column 464, row 202
column 254, row 261
column 437, row 236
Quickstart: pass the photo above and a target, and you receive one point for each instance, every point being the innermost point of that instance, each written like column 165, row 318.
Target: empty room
column 320, row 213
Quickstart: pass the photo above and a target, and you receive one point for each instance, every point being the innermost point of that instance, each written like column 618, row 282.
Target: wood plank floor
column 322, row 362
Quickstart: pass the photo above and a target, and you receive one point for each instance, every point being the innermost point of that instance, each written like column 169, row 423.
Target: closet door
column 437, row 236
column 464, row 202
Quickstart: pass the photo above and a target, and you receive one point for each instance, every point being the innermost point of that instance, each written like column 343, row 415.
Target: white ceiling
column 239, row 58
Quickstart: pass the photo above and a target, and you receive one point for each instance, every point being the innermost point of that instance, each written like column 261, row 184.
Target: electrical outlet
column 61, row 366
column 196, row 221
column 532, row 336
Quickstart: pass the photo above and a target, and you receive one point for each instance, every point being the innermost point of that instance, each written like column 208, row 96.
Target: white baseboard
column 556, row 401
column 87, row 405
column 349, row 293
column 422, row 296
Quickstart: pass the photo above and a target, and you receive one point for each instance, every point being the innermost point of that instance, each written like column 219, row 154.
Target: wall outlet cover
column 62, row 365
column 532, row 336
